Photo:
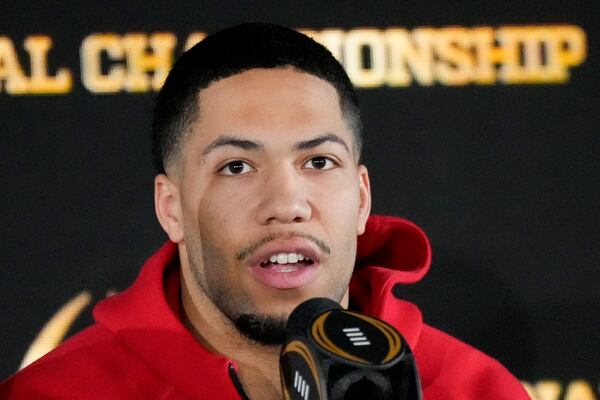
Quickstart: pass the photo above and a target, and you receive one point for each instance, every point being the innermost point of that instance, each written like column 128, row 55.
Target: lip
column 275, row 278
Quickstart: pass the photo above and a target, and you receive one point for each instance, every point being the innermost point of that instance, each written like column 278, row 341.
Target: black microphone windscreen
column 302, row 316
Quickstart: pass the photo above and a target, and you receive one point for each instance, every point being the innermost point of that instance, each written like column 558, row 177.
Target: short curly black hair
column 230, row 52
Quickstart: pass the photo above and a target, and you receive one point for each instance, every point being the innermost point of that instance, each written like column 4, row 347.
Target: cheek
column 214, row 230
column 227, row 197
column 219, row 222
column 217, row 253
column 338, row 209
column 220, row 210
column 339, row 199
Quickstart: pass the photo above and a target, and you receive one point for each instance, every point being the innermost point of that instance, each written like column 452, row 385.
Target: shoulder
column 93, row 364
column 452, row 369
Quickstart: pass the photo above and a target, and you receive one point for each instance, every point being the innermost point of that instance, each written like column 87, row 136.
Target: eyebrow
column 312, row 143
column 251, row 145
column 232, row 141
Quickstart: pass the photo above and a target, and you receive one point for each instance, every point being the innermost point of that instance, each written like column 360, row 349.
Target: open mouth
column 286, row 262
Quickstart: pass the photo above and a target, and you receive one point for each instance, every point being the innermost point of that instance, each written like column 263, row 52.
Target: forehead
column 266, row 100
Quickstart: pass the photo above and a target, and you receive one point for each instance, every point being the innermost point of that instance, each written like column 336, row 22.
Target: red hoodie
column 139, row 349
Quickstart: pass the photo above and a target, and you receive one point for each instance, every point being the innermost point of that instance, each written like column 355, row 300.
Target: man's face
column 271, row 196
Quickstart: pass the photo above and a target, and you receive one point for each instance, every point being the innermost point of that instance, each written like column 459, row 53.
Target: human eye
column 236, row 167
column 320, row 162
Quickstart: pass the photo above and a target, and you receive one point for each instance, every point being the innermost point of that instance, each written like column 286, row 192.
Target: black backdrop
column 502, row 177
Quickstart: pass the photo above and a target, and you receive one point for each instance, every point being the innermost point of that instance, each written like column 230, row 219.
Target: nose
column 284, row 198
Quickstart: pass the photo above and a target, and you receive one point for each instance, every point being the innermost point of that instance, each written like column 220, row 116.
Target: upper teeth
column 285, row 258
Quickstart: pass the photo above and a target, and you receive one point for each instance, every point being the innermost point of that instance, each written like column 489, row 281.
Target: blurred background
column 481, row 125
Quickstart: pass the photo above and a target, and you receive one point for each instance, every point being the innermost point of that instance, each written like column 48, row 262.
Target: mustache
column 248, row 250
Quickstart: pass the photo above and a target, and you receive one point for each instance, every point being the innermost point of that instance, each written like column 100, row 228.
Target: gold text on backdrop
column 373, row 57
column 14, row 80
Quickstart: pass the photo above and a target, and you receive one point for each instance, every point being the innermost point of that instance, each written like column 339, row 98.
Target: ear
column 364, row 187
column 167, row 204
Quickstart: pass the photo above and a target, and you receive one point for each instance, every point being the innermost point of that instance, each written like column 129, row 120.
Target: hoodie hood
column 392, row 251
column 395, row 244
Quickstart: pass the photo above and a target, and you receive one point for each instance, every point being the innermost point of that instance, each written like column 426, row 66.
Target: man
column 257, row 139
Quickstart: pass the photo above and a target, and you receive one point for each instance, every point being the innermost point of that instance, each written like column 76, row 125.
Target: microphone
column 335, row 354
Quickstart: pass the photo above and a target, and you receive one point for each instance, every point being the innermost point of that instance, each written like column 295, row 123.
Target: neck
column 258, row 365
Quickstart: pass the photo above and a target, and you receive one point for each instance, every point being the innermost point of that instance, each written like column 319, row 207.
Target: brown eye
column 320, row 162
column 236, row 167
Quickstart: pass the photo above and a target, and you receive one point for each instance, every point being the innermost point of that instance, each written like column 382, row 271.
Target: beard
column 267, row 330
